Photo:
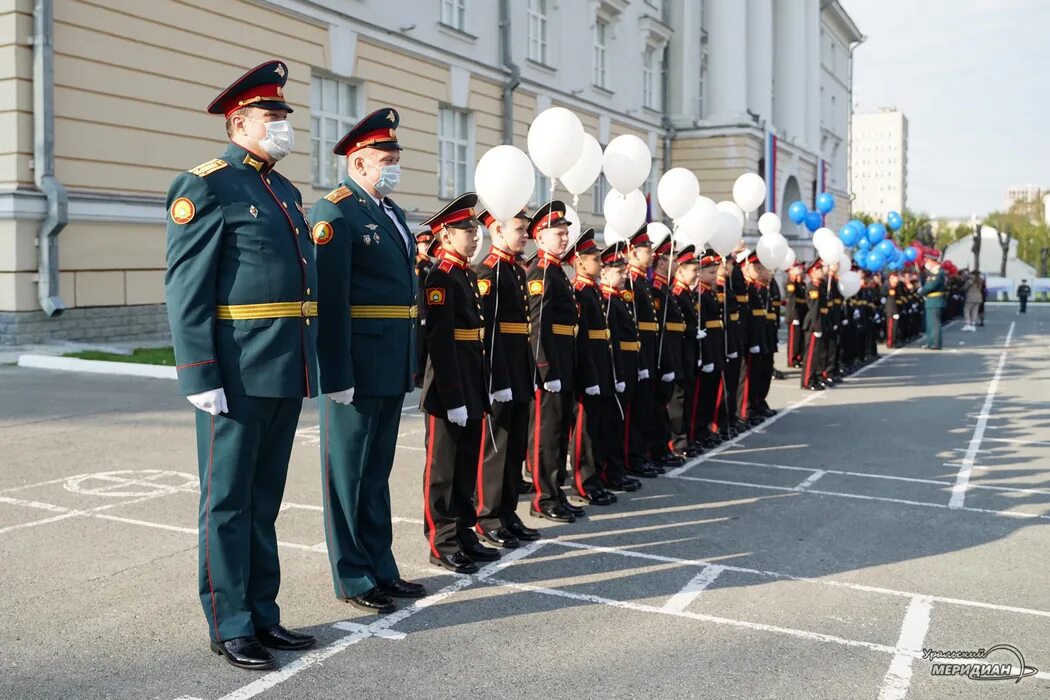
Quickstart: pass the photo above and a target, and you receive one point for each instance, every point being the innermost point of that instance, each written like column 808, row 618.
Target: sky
column 973, row 79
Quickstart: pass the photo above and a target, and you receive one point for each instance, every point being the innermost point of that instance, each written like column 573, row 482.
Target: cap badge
column 279, row 70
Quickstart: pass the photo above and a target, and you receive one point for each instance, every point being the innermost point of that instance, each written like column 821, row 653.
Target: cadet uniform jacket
column 623, row 334
column 687, row 309
column 646, row 321
column 553, row 318
column 672, row 328
column 816, row 308
column 593, row 351
column 713, row 345
column 504, row 308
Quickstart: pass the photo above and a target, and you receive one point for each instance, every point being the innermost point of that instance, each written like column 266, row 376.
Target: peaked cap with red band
column 710, row 258
column 662, row 246
column 458, row 213
column 262, row 87
column 549, row 215
column 377, row 130
column 686, row 255
column 487, row 219
column 640, row 237
column 584, row 244
column 612, row 255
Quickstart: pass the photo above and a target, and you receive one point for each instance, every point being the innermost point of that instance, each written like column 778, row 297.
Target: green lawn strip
column 142, row 356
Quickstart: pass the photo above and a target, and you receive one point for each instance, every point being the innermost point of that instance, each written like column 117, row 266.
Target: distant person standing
column 972, row 298
column 1023, row 292
column 933, row 294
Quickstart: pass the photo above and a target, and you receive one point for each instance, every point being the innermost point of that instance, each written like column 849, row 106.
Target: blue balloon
column 874, row 261
column 814, row 220
column 863, row 243
column 825, row 202
column 860, row 258
column 876, row 232
column 886, row 247
column 849, row 235
column 859, row 225
column 797, row 212
column 911, row 253
column 894, row 265
column 894, row 220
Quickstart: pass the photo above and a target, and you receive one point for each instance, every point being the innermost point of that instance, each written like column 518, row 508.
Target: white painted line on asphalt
column 1040, row 443
column 275, row 678
column 963, row 479
column 810, row 480
column 42, row 521
column 690, row 591
column 909, row 645
column 348, row 626
column 37, row 484
column 39, row 505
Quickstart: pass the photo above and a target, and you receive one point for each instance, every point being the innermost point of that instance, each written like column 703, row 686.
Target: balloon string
column 612, row 356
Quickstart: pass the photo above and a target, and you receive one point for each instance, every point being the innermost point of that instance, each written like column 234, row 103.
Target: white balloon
column 727, row 233
column 769, row 223
column 831, row 251
column 849, row 283
column 677, row 192
column 771, row 250
column 579, row 178
column 749, row 191
column 657, row 230
column 699, row 223
column 555, row 141
column 732, row 208
column 626, row 163
column 504, row 180
column 845, row 262
column 611, row 235
column 574, row 222
column 625, row 212
column 789, row 259
column 822, row 236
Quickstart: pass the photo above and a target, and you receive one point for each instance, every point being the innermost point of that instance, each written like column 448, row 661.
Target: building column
column 727, row 72
column 789, row 72
column 760, row 58
column 813, row 72
column 683, row 64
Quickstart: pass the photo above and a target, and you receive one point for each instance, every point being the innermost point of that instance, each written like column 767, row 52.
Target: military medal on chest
column 253, row 211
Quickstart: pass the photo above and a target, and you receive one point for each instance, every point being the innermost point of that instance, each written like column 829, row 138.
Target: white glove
column 620, row 387
column 845, row 322
column 501, row 396
column 754, row 349
column 818, row 334
column 669, row 377
column 553, row 387
column 733, row 355
column 701, row 334
column 212, row 401
column 896, row 317
column 883, row 300
column 458, row 416
column 592, row 390
column 708, row 368
column 643, row 374
column 856, row 314
column 344, row 397
column 796, row 322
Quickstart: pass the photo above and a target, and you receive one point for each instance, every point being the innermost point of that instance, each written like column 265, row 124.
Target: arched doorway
column 797, row 236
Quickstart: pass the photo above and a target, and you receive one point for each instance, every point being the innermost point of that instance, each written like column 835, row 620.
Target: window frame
column 455, row 142
column 326, row 170
column 538, row 12
column 600, row 53
column 455, row 9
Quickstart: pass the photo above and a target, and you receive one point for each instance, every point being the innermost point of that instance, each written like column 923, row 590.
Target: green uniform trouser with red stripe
column 357, row 454
column 449, row 478
column 242, row 456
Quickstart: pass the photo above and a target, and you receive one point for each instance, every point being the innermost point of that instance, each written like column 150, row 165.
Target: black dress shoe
column 245, row 652
column 623, row 484
column 456, row 562
column 500, row 537
column 755, row 420
column 374, row 601
column 525, row 487
column 656, row 467
column 644, row 471
column 277, row 637
column 815, row 387
column 523, row 532
column 479, row 552
column 400, row 588
column 555, row 513
column 576, row 511
column 598, row 497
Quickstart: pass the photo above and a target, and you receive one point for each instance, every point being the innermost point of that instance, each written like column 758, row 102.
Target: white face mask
column 389, row 179
column 279, row 139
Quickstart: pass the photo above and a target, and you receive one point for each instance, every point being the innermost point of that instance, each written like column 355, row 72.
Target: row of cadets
column 670, row 342
column 684, row 400
column 794, row 311
column 757, row 371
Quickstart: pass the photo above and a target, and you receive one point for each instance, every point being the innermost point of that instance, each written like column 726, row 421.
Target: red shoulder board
column 446, row 265
column 578, row 285
column 491, row 261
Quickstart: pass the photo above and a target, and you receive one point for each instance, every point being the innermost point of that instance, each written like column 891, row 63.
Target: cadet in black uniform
column 794, row 309
column 893, row 311
column 553, row 318
column 426, row 247
column 669, row 349
column 619, row 318
column 759, row 359
column 813, row 324
column 504, row 307
column 681, row 408
column 454, row 396
column 594, row 373
column 712, row 358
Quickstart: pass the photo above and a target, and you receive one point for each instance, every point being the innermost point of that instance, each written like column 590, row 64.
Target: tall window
column 538, row 31
column 454, row 152
column 542, row 191
column 652, row 78
column 601, row 189
column 454, row 14
column 333, row 111
column 601, row 38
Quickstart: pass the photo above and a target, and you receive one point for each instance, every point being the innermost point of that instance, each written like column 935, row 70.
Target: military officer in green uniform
column 366, row 350
column 933, row 296
column 241, row 297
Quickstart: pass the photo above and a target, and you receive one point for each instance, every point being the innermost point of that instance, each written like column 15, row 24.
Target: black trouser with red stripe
column 680, row 411
column 659, row 445
column 813, row 360
column 640, row 411
column 727, row 413
column 586, row 450
column 762, row 366
column 449, row 478
column 549, row 424
column 706, row 402
column 612, row 436
column 796, row 343
column 832, row 343
column 502, row 455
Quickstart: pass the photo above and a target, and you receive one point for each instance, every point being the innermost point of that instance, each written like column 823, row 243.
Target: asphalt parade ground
column 816, row 556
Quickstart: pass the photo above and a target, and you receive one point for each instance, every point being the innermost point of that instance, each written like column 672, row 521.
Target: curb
column 72, row 364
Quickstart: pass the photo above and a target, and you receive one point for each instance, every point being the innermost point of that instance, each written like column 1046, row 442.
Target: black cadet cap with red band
column 549, row 215
column 458, row 213
column 377, row 130
column 584, row 244
column 262, row 87
column 487, row 219
column 710, row 258
column 662, row 246
column 686, row 255
column 818, row 263
column 640, row 238
column 424, row 236
column 612, row 255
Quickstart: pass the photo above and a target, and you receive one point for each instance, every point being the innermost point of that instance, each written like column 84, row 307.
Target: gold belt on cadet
column 468, row 334
column 383, row 312
column 742, row 298
column 280, row 309
column 648, row 326
column 598, row 335
column 735, row 316
column 674, row 327
column 513, row 328
column 758, row 312
column 630, row 345
column 564, row 329
column 713, row 324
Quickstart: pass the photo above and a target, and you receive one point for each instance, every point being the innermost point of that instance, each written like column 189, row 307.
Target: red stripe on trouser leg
column 718, row 403
column 431, row 530
column 809, row 359
column 791, row 344
column 579, row 444
column 747, row 389
column 889, row 334
column 693, row 408
column 481, row 471
column 326, row 406
column 536, row 455
column 207, row 518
